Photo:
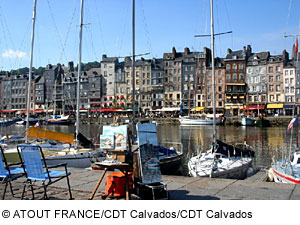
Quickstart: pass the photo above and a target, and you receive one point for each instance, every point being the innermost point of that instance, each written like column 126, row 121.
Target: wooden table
column 123, row 167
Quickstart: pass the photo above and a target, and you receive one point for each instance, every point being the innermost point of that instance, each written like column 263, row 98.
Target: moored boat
column 198, row 121
column 248, row 121
column 226, row 161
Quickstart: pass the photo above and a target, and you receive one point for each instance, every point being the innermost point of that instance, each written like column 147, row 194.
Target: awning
column 254, row 107
column 165, row 109
column 7, row 111
column 289, row 106
column 232, row 107
column 241, row 84
column 275, row 106
column 198, row 109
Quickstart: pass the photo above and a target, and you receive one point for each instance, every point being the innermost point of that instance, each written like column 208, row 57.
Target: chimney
column 249, row 49
column 293, row 52
column 186, row 51
column 173, row 52
column 229, row 51
column 285, row 56
column 104, row 56
column 71, row 66
column 244, row 51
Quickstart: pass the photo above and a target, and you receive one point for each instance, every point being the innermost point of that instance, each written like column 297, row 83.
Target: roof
column 236, row 55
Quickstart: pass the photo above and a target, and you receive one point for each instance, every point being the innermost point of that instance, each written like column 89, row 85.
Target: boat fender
column 250, row 171
column 271, row 175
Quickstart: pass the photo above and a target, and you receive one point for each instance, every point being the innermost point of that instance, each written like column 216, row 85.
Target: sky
column 160, row 25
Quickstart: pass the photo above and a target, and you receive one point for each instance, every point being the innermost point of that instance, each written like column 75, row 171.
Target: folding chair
column 9, row 172
column 36, row 169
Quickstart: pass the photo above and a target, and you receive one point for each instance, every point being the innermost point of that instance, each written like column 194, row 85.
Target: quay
column 83, row 182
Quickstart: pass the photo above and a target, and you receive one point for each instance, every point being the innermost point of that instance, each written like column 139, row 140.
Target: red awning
column 254, row 107
column 110, row 110
column 7, row 111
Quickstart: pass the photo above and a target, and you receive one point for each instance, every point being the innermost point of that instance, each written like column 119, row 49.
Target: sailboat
column 287, row 170
column 222, row 160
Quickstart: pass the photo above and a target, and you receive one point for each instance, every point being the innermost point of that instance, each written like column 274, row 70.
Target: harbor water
column 268, row 143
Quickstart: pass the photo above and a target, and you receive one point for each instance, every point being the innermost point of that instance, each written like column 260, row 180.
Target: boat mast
column 30, row 68
column 133, row 69
column 213, row 72
column 79, row 73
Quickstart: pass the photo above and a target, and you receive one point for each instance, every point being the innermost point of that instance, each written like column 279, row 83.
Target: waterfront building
column 275, row 83
column 14, row 94
column 256, row 79
column 235, row 66
column 172, row 80
column 289, row 84
column 53, row 76
column 157, row 84
column 95, row 89
column 219, row 86
column 203, row 60
column 109, row 67
column 188, row 79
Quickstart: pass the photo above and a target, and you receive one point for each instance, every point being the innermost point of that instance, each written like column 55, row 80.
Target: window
column 286, row 80
column 270, row 70
column 270, row 78
column 291, row 72
column 241, row 77
column 241, row 67
column 277, row 68
column 220, row 88
column 234, row 77
column 292, row 80
column 278, row 78
column 220, row 81
column 228, row 78
column 292, row 90
column 220, row 96
column 256, row 98
column 277, row 87
column 228, row 67
column 270, row 87
column 234, row 67
column 286, row 72
column 271, row 98
column 208, row 73
column 219, row 72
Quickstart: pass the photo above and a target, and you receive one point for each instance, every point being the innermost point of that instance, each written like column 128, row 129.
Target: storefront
column 289, row 110
column 275, row 109
column 255, row 109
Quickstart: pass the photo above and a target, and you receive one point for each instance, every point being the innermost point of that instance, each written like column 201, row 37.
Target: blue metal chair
column 9, row 172
column 36, row 169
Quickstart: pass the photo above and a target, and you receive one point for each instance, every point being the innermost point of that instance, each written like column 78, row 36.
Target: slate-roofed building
column 275, row 82
column 256, row 79
column 235, row 66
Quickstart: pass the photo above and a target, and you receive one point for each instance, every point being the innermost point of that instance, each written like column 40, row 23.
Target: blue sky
column 160, row 25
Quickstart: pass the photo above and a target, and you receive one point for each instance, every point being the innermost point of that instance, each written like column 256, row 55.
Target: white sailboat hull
column 227, row 167
column 285, row 173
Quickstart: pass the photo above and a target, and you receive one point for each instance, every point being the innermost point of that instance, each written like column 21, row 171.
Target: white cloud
column 11, row 54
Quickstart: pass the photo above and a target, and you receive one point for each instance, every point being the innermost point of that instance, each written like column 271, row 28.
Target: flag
column 296, row 46
column 294, row 122
column 37, row 124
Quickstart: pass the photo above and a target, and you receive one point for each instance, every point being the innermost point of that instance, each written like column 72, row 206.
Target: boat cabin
column 295, row 161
